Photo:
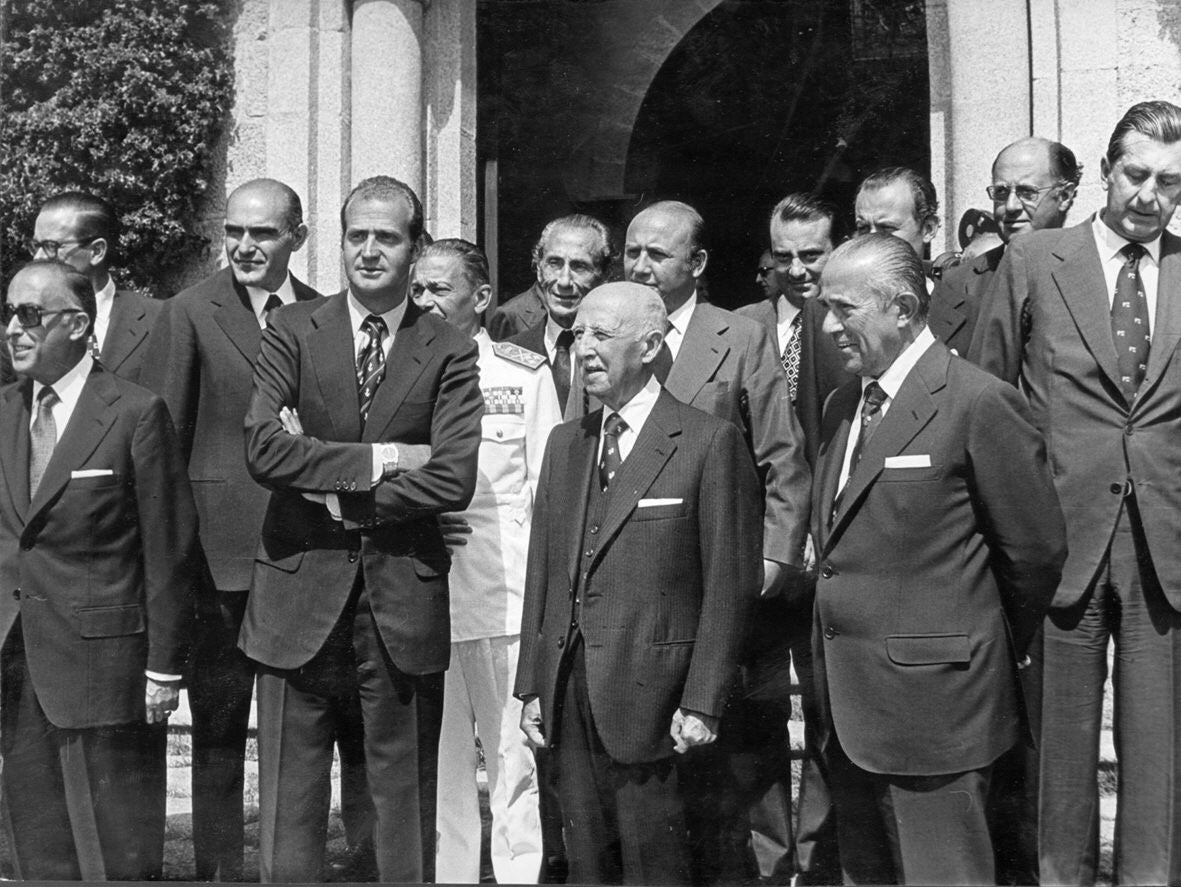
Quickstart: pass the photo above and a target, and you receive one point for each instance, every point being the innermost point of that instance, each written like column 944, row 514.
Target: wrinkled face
column 891, row 210
column 867, row 333
column 258, row 244
column 1026, row 168
column 800, row 249
column 610, row 350
column 61, row 226
column 440, row 286
column 47, row 351
column 567, row 270
column 659, row 253
column 1143, row 187
column 377, row 248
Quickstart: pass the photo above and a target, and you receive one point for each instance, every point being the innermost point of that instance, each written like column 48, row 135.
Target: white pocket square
column 92, row 472
column 923, row 461
column 653, row 503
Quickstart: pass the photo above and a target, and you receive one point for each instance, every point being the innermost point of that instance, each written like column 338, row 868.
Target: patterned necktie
column 43, row 438
column 791, row 356
column 871, row 417
column 370, row 364
column 1129, row 322
column 273, row 302
column 562, row 366
column 612, row 458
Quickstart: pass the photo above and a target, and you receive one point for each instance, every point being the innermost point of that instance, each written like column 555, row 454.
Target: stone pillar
column 386, row 90
column 329, row 168
column 989, row 103
column 449, row 191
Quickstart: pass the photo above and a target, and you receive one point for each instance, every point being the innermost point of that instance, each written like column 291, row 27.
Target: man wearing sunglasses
column 82, row 230
column 1033, row 187
column 97, row 540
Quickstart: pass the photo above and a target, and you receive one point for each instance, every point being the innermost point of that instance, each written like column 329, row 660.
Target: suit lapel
column 1080, row 281
column 89, row 424
column 581, row 462
column 842, row 408
column 126, row 328
column 409, row 356
column 330, row 349
column 14, row 443
column 702, row 351
column 235, row 315
column 908, row 414
column 1166, row 326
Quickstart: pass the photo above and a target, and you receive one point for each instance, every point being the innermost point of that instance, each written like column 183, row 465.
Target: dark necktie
column 370, row 364
column 612, row 458
column 791, row 357
column 663, row 363
column 1129, row 322
column 273, row 302
column 871, row 417
column 562, row 366
column 43, row 438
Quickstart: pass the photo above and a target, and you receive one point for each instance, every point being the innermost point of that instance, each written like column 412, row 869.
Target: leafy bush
column 125, row 98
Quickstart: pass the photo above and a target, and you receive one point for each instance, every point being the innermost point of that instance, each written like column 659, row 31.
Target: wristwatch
column 389, row 459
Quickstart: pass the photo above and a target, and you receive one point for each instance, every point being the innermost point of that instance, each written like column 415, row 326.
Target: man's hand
column 455, row 531
column 690, row 728
column 531, row 723
column 809, row 555
column 289, row 419
column 160, row 700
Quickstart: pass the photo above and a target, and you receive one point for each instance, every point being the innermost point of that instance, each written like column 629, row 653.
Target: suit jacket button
column 1128, row 429
column 1116, row 488
column 594, row 529
column 830, row 633
column 826, row 571
column 561, row 643
column 16, row 594
column 353, row 556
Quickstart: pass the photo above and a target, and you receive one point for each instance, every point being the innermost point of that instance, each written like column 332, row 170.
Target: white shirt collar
column 678, row 322
column 104, row 302
column 259, row 296
column 552, row 331
column 68, row 389
column 635, row 413
column 891, row 380
column 357, row 315
column 1109, row 243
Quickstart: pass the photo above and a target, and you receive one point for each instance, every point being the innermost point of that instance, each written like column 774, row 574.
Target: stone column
column 450, row 97
column 387, row 90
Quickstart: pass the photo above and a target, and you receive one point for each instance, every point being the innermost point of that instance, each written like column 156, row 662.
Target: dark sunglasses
column 30, row 316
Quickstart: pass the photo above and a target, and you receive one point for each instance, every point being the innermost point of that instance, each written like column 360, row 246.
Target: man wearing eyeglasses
column 1033, row 187
column 98, row 537
column 82, row 230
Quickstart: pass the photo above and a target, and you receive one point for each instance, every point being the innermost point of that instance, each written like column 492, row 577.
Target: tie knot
column 1132, row 253
column 47, row 396
column 615, row 425
column 797, row 320
column 374, row 326
column 875, row 396
column 565, row 339
column 273, row 302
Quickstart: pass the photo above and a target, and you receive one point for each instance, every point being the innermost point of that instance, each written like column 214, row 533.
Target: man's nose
column 369, row 247
column 1013, row 204
column 797, row 268
column 831, row 324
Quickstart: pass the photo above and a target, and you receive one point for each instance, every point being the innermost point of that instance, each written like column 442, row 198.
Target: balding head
column 1033, row 186
column 664, row 250
column 618, row 333
column 264, row 226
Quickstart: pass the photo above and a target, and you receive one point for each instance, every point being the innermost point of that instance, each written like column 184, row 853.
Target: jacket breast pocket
column 899, row 475
column 929, row 649
column 109, row 622
column 94, row 482
column 659, row 512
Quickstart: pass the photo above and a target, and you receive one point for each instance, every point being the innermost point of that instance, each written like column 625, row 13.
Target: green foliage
column 124, row 98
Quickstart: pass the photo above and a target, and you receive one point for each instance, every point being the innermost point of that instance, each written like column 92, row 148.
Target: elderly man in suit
column 83, row 230
column 728, row 366
column 487, row 584
column 1087, row 320
column 940, row 544
column 201, row 361
column 97, row 535
column 1033, row 187
column 802, row 239
column 642, row 566
column 365, row 423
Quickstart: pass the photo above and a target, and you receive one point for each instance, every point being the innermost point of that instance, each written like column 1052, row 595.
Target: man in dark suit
column 642, row 565
column 802, row 228
column 201, row 361
column 940, row 544
column 524, row 310
column 728, row 366
column 83, row 230
column 1087, row 320
column 97, row 534
column 350, row 584
column 1033, row 187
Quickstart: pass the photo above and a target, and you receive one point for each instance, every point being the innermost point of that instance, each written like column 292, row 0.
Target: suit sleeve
column 731, row 568
column 1020, row 513
column 998, row 343
column 168, row 533
column 172, row 370
column 778, row 445
column 299, row 462
column 536, row 581
column 542, row 413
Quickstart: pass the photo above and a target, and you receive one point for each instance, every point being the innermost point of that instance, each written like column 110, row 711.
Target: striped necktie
column 370, row 364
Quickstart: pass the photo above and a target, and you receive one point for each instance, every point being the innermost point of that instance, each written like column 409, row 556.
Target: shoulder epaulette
column 517, row 354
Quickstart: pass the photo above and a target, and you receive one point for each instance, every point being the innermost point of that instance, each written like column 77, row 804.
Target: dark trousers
column 910, row 829
column 298, row 713
column 81, row 803
column 1128, row 607
column 221, row 683
column 624, row 822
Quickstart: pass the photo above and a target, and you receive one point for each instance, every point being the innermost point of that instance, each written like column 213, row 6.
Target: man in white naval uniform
column 487, row 583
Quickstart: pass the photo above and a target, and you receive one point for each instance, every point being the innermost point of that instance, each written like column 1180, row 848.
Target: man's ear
column 698, row 260
column 908, row 307
column 653, row 341
column 1066, row 197
column 1104, row 172
column 483, row 298
column 78, row 325
column 98, row 250
column 930, row 227
column 299, row 237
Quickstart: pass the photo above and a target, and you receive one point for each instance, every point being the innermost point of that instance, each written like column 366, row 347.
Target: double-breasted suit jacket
column 1046, row 326
column 201, row 361
column 935, row 570
column 307, row 562
column 97, row 563
column 664, row 598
